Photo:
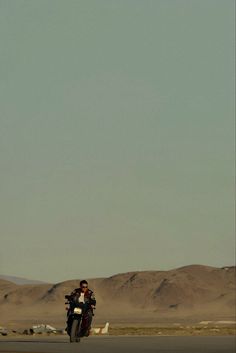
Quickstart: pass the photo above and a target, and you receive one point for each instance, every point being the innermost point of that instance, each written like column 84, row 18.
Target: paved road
column 121, row 345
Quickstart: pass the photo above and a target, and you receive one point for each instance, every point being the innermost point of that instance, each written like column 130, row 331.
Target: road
column 120, row 344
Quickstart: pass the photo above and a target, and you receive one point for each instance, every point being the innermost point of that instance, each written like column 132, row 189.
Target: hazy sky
column 116, row 136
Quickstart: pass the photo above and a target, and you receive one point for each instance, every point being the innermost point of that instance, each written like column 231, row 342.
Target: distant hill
column 188, row 293
column 20, row 280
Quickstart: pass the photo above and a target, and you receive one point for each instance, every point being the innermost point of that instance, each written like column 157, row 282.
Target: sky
column 116, row 136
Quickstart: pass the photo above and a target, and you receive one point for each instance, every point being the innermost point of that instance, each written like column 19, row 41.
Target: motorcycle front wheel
column 75, row 330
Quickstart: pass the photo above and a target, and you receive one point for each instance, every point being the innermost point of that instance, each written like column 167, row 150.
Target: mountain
column 20, row 280
column 189, row 293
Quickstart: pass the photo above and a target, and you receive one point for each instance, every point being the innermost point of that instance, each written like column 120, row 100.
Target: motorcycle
column 76, row 319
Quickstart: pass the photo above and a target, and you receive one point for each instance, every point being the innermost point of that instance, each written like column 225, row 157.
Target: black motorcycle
column 76, row 319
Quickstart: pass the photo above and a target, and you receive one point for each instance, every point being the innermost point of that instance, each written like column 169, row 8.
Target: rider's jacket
column 88, row 296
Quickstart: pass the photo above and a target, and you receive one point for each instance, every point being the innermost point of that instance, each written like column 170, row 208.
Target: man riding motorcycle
column 83, row 295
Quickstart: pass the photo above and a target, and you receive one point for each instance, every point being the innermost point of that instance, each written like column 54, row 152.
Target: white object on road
column 101, row 331
column 43, row 329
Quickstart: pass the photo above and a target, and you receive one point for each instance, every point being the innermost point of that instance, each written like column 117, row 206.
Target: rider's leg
column 89, row 322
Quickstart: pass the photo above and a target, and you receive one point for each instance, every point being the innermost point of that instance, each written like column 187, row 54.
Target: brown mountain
column 188, row 293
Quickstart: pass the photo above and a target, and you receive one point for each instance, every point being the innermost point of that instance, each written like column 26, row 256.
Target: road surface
column 120, row 344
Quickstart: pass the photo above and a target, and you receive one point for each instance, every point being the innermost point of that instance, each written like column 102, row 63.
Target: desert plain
column 193, row 299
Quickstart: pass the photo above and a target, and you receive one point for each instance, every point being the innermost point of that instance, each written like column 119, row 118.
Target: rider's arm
column 92, row 299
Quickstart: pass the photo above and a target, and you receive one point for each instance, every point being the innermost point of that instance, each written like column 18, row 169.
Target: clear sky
column 116, row 136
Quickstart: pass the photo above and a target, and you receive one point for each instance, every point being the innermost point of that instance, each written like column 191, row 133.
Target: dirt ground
column 158, row 330
column 174, row 331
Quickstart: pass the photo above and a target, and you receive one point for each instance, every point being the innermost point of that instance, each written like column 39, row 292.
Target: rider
column 84, row 295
